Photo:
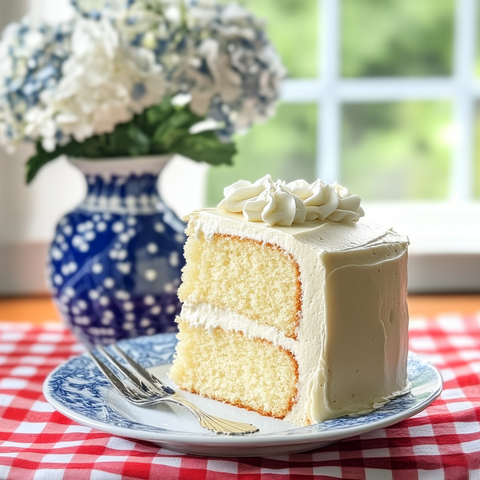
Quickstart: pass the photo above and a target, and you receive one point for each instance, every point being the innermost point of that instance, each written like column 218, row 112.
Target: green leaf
column 140, row 142
column 183, row 118
column 159, row 137
column 159, row 129
column 206, row 147
column 155, row 115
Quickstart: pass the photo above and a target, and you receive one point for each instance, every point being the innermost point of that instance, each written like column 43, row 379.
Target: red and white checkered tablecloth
column 38, row 443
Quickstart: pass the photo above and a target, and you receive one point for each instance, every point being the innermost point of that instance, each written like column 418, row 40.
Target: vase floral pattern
column 115, row 261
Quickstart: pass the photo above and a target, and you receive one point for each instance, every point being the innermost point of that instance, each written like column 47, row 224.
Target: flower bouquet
column 136, row 77
column 119, row 89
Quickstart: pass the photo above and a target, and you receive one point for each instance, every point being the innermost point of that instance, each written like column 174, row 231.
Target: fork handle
column 210, row 422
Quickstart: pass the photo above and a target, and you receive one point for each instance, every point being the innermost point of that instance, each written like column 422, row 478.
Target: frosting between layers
column 327, row 254
column 210, row 317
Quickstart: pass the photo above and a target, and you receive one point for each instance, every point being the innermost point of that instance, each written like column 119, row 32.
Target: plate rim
column 288, row 437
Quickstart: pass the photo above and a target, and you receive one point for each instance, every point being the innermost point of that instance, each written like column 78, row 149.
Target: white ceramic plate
column 79, row 391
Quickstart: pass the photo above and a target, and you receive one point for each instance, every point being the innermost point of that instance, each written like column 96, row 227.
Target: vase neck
column 122, row 186
column 132, row 194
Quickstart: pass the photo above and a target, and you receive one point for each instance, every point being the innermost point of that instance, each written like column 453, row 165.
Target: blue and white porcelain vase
column 115, row 261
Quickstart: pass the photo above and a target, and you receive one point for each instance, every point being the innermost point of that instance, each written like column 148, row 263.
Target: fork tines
column 142, row 388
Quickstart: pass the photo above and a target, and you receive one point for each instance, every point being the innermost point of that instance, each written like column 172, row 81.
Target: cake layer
column 255, row 279
column 227, row 366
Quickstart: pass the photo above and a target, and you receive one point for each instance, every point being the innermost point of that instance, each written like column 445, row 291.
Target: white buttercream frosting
column 352, row 341
column 284, row 204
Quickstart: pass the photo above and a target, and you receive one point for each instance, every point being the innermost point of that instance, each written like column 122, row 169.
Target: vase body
column 116, row 260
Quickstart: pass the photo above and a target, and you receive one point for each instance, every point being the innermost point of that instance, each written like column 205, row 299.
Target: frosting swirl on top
column 282, row 204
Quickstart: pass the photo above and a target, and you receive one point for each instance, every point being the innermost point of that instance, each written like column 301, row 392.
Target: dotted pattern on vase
column 115, row 274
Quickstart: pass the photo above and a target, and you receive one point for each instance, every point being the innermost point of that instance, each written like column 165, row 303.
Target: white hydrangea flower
column 217, row 53
column 105, row 82
column 31, row 57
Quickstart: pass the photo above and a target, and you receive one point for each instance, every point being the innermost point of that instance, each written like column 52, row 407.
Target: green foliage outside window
column 392, row 38
column 476, row 173
column 397, row 150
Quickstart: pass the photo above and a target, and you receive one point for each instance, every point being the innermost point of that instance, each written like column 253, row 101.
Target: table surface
column 38, row 443
column 39, row 310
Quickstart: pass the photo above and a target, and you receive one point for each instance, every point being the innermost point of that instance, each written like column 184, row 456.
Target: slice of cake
column 293, row 306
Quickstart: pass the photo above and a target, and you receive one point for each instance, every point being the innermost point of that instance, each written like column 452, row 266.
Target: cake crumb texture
column 227, row 366
column 258, row 280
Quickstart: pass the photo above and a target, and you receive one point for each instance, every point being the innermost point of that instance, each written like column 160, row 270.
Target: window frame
column 330, row 90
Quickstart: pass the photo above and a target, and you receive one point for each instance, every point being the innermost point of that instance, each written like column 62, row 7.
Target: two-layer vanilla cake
column 293, row 305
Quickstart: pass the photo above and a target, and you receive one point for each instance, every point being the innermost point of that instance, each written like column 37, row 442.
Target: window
column 381, row 96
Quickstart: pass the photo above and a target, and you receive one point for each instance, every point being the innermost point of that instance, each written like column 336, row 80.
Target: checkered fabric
column 442, row 442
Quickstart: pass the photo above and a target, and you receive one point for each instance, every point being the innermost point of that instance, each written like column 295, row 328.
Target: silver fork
column 142, row 388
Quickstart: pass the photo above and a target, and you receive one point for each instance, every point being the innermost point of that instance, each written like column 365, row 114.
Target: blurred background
column 381, row 96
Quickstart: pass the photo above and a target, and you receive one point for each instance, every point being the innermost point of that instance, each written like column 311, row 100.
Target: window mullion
column 300, row 90
column 461, row 183
column 329, row 116
column 396, row 89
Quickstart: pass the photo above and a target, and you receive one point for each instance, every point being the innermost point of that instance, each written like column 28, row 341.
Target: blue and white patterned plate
column 79, row 391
